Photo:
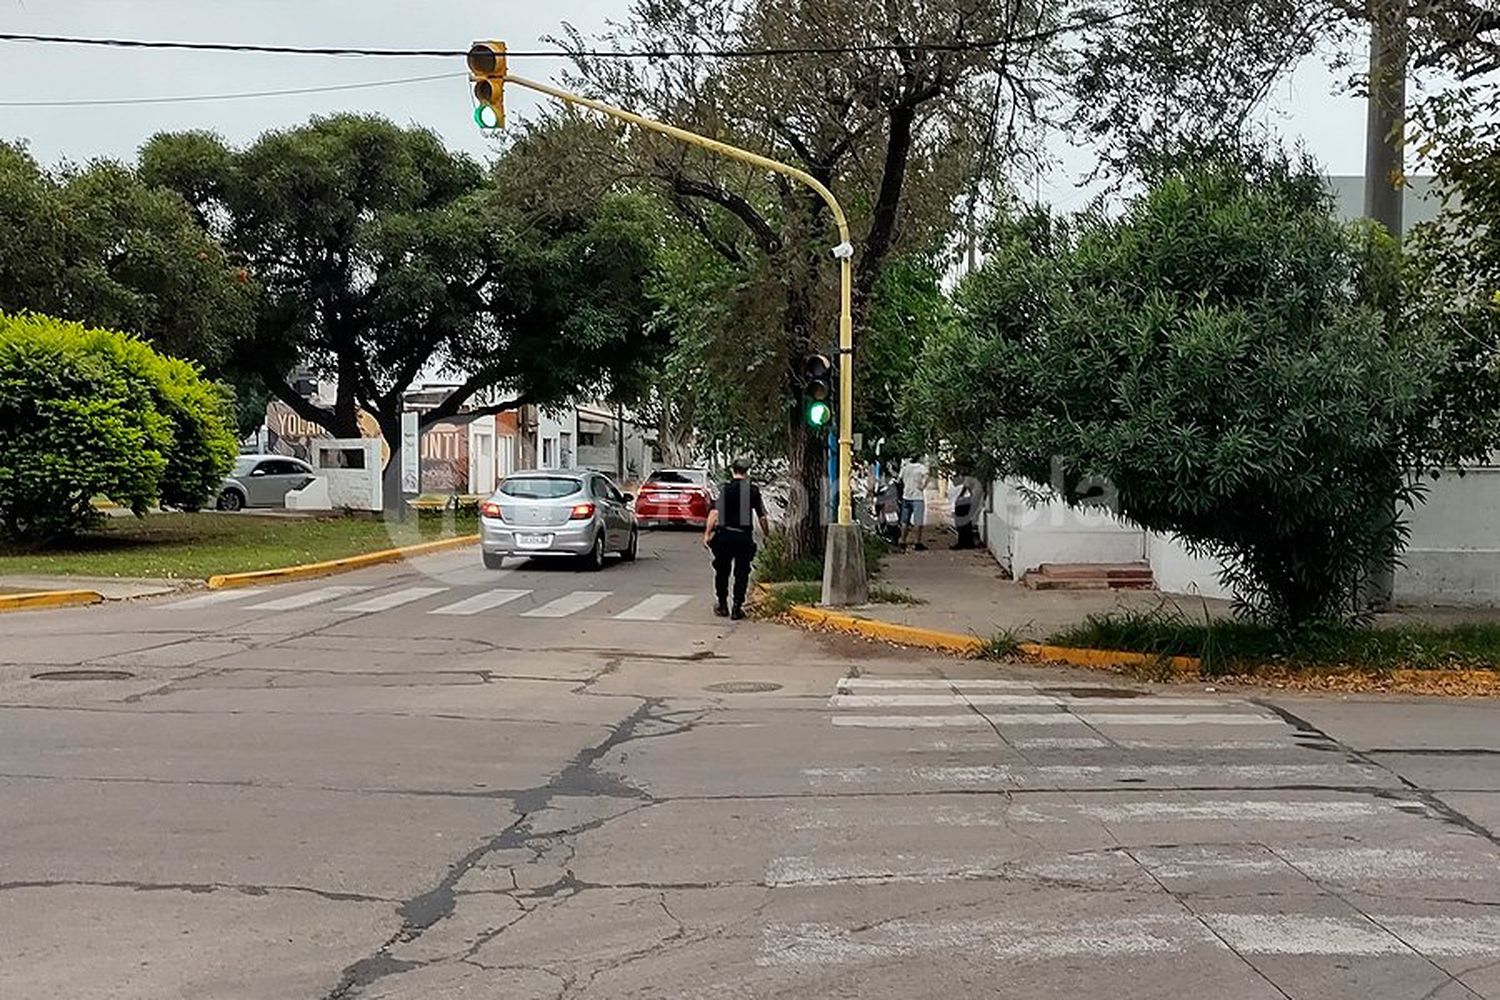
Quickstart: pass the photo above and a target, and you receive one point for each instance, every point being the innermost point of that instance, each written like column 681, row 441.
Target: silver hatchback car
column 557, row 513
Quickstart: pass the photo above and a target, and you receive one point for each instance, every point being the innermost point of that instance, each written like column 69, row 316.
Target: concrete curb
column 309, row 571
column 968, row 645
column 49, row 599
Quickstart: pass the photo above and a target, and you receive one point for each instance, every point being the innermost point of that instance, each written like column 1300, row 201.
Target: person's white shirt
column 914, row 479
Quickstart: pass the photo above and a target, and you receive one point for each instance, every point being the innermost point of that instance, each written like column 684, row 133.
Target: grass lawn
column 195, row 546
column 1228, row 647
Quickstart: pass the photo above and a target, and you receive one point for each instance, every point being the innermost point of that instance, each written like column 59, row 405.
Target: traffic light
column 487, row 71
column 817, row 391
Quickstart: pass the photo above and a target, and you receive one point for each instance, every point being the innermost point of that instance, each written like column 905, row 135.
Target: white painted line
column 654, row 608
column 1208, row 810
column 206, row 600
column 1051, row 719
column 967, row 721
column 568, row 604
column 1021, row 776
column 1446, row 936
column 812, row 944
column 897, row 814
column 306, row 598
column 1003, row 700
column 1061, row 743
column 480, row 602
column 936, row 684
column 1296, row 934
column 385, row 602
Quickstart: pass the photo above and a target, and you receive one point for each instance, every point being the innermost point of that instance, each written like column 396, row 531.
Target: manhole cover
column 83, row 675
column 743, row 687
column 1095, row 692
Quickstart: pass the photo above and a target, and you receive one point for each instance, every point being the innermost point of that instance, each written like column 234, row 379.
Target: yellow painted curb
column 308, row 571
column 1104, row 659
column 49, row 599
column 968, row 645
column 906, row 635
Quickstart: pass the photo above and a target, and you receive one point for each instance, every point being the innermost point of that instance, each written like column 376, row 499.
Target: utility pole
column 1385, row 189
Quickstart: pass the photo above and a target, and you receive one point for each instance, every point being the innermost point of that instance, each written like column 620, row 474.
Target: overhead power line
column 977, row 44
column 214, row 98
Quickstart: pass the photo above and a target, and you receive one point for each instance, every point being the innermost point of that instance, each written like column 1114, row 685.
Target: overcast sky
column 1304, row 108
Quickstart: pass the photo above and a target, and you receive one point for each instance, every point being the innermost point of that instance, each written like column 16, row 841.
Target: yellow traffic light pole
column 844, row 252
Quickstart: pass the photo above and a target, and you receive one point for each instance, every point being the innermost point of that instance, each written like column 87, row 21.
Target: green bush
column 85, row 413
column 1224, row 362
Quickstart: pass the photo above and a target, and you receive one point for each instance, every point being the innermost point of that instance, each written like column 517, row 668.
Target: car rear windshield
column 679, row 477
column 540, row 487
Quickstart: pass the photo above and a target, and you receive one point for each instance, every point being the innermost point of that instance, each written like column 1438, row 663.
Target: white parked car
column 263, row 481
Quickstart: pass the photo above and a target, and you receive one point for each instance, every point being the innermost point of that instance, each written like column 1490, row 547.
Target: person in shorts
column 915, row 477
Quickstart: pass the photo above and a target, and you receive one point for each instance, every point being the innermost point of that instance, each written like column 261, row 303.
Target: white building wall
column 1179, row 571
column 1453, row 556
column 1023, row 536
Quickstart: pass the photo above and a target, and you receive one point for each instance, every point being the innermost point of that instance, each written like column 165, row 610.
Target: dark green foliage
column 88, row 412
column 98, row 246
column 1224, row 363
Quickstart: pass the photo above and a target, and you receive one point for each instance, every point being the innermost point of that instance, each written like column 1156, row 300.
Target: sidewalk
column 112, row 588
column 965, row 593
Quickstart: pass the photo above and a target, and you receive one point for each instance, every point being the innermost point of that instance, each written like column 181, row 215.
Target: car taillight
column 490, row 509
column 581, row 512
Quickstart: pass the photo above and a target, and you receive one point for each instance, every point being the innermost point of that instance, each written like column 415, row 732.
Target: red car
column 675, row 496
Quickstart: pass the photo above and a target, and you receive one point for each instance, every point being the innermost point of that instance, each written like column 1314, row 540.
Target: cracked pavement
column 320, row 803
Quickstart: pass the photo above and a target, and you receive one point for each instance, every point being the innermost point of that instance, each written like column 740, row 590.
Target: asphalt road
column 430, row 782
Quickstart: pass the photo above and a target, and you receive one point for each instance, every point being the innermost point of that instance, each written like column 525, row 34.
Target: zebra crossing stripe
column 1004, row 774
column 480, row 602
column 206, row 600
column 654, row 608
column 1074, row 718
column 307, row 598
column 1382, row 934
column 997, row 701
column 850, row 684
column 568, row 604
column 385, row 602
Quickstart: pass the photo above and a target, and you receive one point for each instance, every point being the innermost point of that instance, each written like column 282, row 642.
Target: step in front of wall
column 1090, row 576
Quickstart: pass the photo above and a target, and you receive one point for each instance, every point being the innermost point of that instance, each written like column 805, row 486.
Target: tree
column 1225, row 363
column 99, row 246
column 380, row 256
column 85, row 412
column 910, row 112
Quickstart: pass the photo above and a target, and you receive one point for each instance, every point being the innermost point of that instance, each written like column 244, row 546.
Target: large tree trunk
column 390, row 477
column 1385, row 193
column 808, row 504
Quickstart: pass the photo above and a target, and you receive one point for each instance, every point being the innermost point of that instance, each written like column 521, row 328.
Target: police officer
column 730, row 536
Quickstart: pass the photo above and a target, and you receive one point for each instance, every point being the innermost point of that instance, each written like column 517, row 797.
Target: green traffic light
column 819, row 414
column 485, row 117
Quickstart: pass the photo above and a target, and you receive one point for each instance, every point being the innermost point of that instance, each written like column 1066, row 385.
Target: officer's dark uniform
column 733, row 544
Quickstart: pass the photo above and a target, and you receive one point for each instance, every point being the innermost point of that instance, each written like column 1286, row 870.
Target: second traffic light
column 817, row 391
column 487, row 71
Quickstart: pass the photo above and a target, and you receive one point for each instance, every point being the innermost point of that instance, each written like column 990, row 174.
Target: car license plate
column 533, row 541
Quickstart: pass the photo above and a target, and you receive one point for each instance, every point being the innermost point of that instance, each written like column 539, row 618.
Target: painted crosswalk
column 1158, row 827
column 479, row 603
column 395, row 599
column 654, row 608
column 568, row 604
column 442, row 600
column 307, row 598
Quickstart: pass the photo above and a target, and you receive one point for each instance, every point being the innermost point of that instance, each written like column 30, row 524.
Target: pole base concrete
column 844, row 581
